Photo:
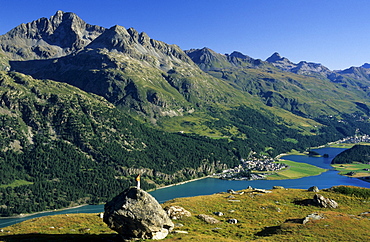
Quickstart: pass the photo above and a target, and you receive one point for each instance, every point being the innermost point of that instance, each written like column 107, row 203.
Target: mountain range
column 116, row 103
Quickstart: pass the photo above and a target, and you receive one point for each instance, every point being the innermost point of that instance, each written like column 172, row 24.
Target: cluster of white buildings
column 355, row 139
column 243, row 170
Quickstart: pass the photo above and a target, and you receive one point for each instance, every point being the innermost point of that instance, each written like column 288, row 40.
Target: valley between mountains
column 84, row 109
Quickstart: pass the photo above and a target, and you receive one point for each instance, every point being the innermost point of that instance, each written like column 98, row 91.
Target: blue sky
column 334, row 33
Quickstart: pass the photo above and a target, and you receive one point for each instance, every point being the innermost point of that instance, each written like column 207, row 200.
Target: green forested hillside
column 358, row 153
column 72, row 147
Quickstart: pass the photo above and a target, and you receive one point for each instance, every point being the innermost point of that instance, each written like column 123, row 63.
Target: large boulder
column 136, row 214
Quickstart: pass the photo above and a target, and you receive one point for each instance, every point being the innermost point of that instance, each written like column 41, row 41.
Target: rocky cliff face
column 134, row 72
column 57, row 36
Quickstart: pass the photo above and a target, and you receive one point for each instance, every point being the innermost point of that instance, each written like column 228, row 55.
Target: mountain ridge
column 46, row 38
column 124, row 103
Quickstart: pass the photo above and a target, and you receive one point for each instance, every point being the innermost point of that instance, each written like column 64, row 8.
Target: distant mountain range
column 125, row 103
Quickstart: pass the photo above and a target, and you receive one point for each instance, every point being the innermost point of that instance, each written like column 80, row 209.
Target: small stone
column 314, row 216
column 218, row 214
column 231, row 191
column 208, row 219
column 217, row 228
column 180, row 232
column 232, row 221
column 278, row 187
column 262, row 190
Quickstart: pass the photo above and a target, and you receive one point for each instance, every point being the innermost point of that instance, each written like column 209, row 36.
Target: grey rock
column 218, row 214
column 231, row 191
column 136, row 214
column 278, row 187
column 177, row 212
column 322, row 201
column 261, row 190
column 232, row 221
column 208, row 219
column 314, row 216
column 313, row 189
column 180, row 232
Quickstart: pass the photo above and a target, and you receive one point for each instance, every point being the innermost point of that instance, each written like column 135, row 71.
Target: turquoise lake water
column 209, row 186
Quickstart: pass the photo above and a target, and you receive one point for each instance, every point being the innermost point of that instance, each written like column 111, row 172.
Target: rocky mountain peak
column 280, row 62
column 274, row 58
column 366, row 65
column 204, row 55
column 240, row 55
column 45, row 38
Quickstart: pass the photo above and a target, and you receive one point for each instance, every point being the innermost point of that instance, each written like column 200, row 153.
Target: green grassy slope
column 275, row 216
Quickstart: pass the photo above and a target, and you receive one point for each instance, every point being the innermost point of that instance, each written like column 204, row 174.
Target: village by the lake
column 257, row 168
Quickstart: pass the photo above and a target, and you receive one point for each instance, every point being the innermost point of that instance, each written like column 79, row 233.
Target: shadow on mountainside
column 61, row 237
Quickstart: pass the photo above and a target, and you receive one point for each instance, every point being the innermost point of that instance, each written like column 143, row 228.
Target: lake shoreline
column 181, row 183
column 24, row 215
column 172, row 185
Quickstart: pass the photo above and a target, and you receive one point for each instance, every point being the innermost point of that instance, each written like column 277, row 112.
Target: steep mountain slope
column 57, row 36
column 66, row 146
column 277, row 85
column 136, row 73
column 153, row 80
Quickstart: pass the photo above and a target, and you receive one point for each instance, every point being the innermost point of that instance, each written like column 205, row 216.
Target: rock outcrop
column 313, row 189
column 177, row 212
column 136, row 214
column 324, row 202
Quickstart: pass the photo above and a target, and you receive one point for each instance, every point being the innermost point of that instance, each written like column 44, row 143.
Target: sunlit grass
column 296, row 170
column 261, row 217
column 358, row 168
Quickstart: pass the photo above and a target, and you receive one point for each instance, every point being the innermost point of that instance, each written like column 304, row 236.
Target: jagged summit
column 240, row 55
column 139, row 46
column 208, row 59
column 302, row 68
column 61, row 34
column 274, row 57
column 366, row 65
